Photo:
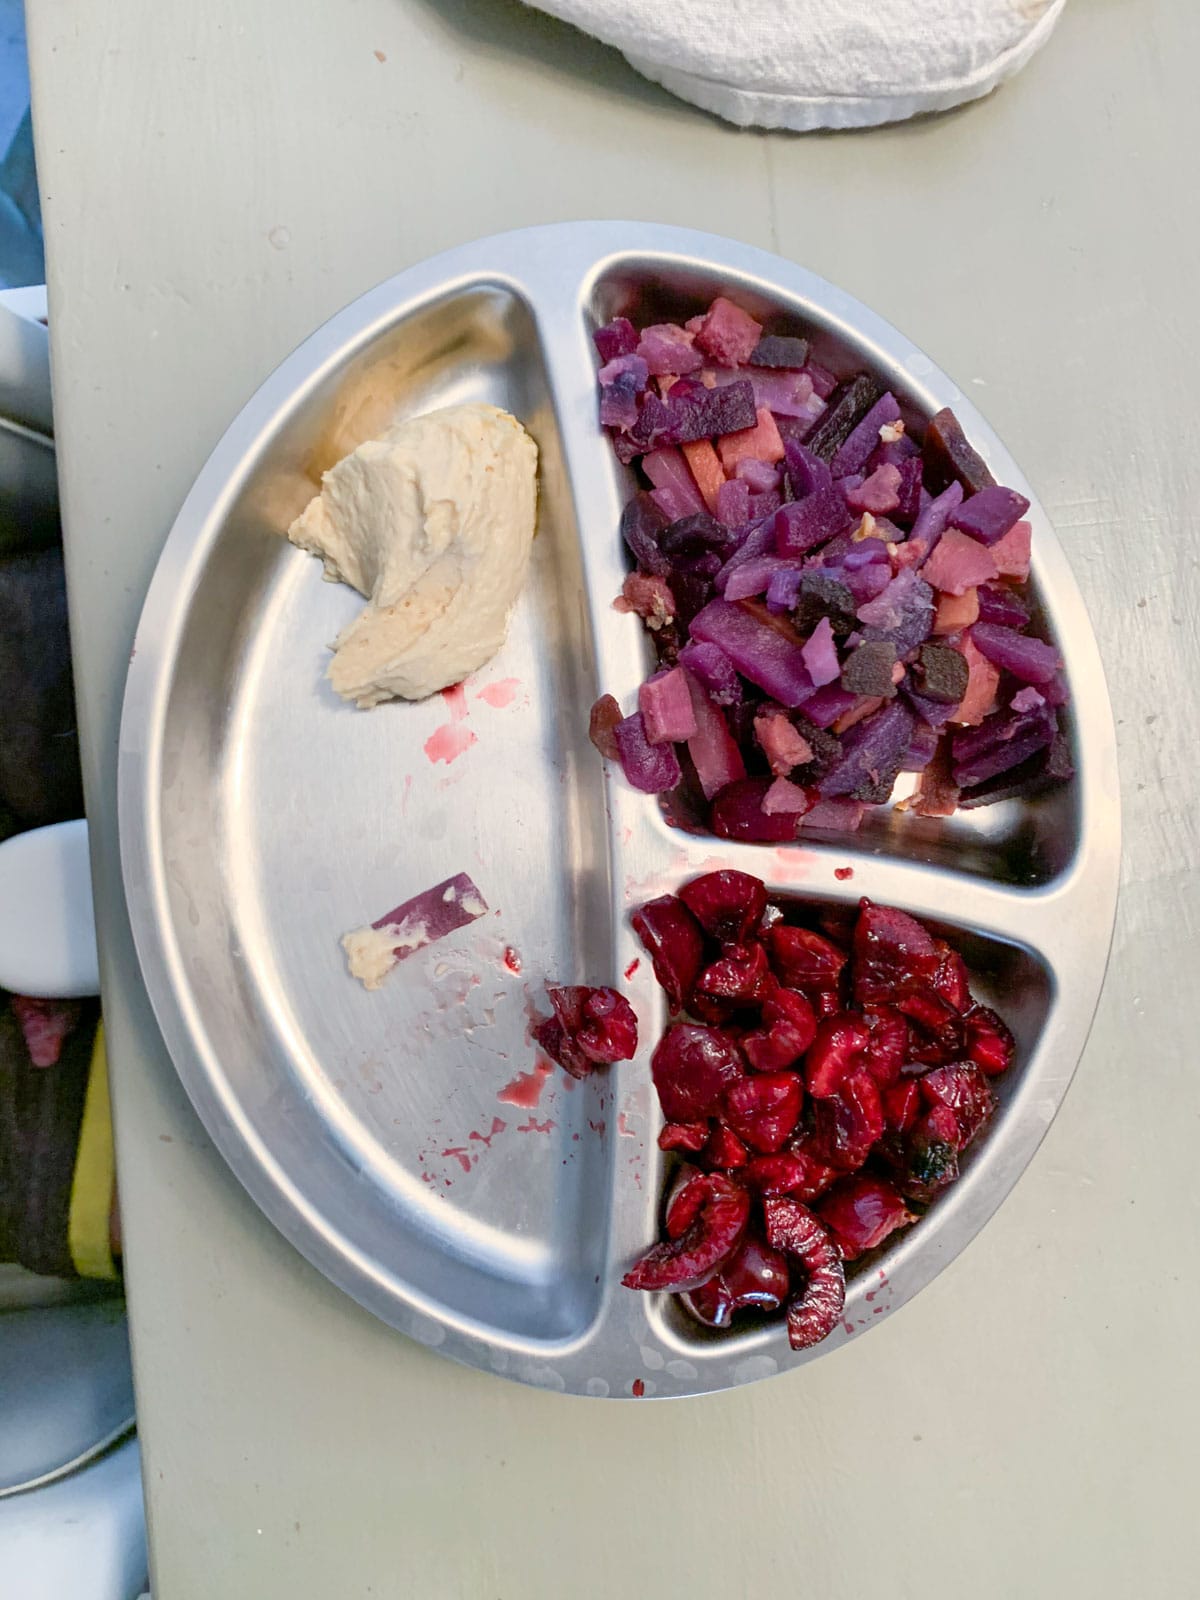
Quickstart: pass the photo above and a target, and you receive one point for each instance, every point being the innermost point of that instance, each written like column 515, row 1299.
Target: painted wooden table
column 219, row 178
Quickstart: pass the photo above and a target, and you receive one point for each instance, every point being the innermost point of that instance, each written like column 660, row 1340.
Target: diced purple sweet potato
column 988, row 515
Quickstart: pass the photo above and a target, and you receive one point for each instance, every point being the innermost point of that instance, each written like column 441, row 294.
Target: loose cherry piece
column 860, row 1212
column 764, row 1110
column 725, row 1150
column 719, row 1213
column 893, row 955
column 838, row 1049
column 675, row 945
column 887, row 1047
column 739, row 976
column 756, row 1276
column 951, row 981
column 689, row 1136
column 789, row 1027
column 591, row 1027
column 812, row 1314
column 990, row 1044
column 778, row 1174
column 962, row 1088
column 925, row 1160
column 847, row 1124
column 818, row 1176
column 901, row 1102
column 692, row 1066
column 803, row 959
column 938, row 1036
column 728, row 905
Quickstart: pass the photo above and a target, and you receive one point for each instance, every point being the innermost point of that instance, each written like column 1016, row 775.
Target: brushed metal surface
column 261, row 818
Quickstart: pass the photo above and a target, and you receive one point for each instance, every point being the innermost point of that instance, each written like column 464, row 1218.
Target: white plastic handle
column 47, row 926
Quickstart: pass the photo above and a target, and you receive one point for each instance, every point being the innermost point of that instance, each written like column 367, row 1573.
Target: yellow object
column 92, row 1187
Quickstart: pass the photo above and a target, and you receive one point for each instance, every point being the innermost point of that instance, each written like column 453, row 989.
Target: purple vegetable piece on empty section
column 616, row 338
column 989, row 515
column 648, row 767
column 804, row 524
column 933, row 520
column 757, row 650
column 872, row 751
column 713, row 670
column 820, row 654
column 852, row 455
column 1026, row 658
column 434, row 913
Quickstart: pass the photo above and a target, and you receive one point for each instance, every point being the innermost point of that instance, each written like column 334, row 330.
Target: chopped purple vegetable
column 872, row 576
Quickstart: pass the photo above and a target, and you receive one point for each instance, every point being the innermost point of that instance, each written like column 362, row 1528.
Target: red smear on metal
column 499, row 694
column 526, row 1088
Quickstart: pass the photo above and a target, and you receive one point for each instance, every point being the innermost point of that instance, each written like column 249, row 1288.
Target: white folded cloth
column 805, row 64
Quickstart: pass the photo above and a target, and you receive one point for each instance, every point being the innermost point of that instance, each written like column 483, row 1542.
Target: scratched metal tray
column 402, row 1140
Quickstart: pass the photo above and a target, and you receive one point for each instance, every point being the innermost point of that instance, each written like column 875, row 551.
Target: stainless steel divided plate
column 406, row 1140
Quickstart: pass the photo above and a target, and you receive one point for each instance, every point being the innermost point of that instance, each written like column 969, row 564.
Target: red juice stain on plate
column 499, row 694
column 526, row 1088
column 498, row 1126
column 463, row 1157
column 534, row 1126
column 632, row 967
column 637, row 1388
column 842, row 873
column 598, row 1127
column 456, row 701
column 512, row 959
column 448, row 742
column 624, row 1129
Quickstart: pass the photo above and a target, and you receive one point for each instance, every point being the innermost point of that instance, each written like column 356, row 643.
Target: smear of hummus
column 433, row 524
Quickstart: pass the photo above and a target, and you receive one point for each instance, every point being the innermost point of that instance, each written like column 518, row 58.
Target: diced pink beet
column 959, row 563
column 754, row 577
column 652, row 768
column 1011, row 554
column 838, row 816
column 956, row 611
column 820, row 654
column 728, row 334
column 668, row 471
column 760, row 443
column 666, row 348
column 432, row 914
column 616, row 338
column 863, row 706
column 982, row 683
column 784, row 798
column 1027, row 658
column 879, row 494
column 713, row 749
column 666, row 707
column 759, row 651
column 733, row 503
column 781, row 743
column 758, row 476
column 989, row 515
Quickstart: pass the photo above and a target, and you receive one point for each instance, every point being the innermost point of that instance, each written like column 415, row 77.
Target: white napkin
column 805, row 64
